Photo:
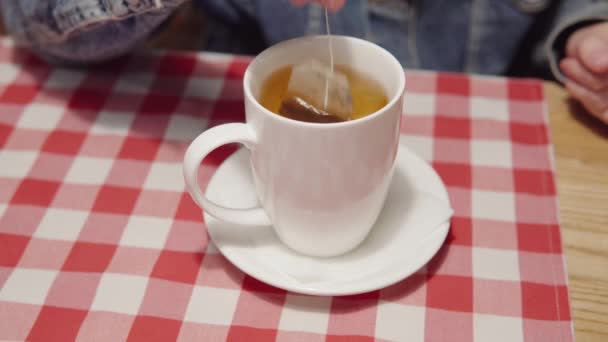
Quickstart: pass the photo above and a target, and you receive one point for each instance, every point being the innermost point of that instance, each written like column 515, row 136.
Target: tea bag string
column 331, row 57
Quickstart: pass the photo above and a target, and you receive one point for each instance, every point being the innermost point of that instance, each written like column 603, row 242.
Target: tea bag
column 317, row 92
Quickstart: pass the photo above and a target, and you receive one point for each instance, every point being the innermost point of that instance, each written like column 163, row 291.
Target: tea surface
column 367, row 94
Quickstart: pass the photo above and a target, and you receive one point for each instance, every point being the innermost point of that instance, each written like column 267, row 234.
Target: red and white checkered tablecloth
column 99, row 241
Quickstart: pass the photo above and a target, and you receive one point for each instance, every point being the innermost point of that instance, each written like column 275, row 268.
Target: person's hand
column 332, row 5
column 586, row 67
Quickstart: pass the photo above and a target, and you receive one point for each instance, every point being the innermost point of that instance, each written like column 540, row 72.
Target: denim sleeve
column 556, row 43
column 83, row 31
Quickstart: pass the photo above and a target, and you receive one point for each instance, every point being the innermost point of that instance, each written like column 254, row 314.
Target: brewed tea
column 368, row 96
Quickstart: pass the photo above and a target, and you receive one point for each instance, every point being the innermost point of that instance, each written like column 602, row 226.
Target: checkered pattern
column 99, row 241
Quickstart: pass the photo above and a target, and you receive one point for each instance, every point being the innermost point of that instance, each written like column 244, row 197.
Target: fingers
column 586, row 67
column 590, row 46
column 575, row 41
column 575, row 71
column 595, row 102
column 332, row 5
column 593, row 52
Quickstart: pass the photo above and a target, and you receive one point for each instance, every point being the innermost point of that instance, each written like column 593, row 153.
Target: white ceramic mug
column 321, row 186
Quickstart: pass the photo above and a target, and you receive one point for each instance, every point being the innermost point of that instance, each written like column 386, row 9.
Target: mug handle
column 198, row 150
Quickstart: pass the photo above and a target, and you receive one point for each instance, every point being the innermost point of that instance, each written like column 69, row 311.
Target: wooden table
column 581, row 153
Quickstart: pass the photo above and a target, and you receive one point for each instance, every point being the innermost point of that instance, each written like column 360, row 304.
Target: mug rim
column 393, row 100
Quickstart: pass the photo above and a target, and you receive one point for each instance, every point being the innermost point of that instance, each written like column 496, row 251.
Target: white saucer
column 408, row 233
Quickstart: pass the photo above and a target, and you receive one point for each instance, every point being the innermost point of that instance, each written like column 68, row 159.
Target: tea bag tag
column 316, row 88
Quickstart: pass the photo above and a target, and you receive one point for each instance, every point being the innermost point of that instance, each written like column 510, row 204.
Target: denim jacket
column 475, row 36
